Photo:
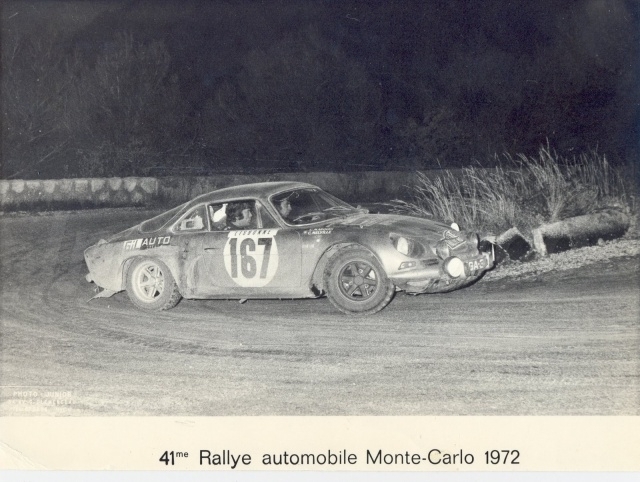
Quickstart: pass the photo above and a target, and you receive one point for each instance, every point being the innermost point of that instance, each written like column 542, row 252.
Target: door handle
column 211, row 249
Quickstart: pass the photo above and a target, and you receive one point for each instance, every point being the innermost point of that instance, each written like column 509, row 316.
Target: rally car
column 284, row 240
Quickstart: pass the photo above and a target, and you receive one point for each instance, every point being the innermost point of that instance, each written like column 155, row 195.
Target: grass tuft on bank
column 522, row 191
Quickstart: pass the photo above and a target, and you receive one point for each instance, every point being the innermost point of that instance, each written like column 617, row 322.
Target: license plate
column 476, row 265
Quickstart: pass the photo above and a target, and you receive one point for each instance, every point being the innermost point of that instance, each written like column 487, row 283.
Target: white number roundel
column 251, row 256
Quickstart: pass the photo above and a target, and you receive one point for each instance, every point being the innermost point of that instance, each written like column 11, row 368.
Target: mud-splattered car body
column 300, row 242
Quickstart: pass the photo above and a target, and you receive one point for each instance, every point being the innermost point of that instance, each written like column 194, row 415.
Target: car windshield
column 306, row 206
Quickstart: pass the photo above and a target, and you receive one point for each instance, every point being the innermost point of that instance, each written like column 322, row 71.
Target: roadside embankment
column 575, row 258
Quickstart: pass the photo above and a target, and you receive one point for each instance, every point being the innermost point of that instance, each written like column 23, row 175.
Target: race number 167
column 245, row 255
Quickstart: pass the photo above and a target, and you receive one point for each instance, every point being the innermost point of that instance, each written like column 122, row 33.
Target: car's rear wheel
column 356, row 283
column 150, row 285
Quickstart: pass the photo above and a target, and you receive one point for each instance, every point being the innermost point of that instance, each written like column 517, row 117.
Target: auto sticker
column 251, row 256
column 146, row 243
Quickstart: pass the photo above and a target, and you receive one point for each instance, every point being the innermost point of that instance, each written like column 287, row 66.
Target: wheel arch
column 353, row 295
column 126, row 264
column 154, row 290
column 317, row 278
column 124, row 267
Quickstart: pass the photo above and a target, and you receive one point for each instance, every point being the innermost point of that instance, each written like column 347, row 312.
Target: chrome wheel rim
column 148, row 282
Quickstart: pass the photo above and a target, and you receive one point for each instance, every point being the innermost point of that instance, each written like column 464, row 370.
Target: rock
column 580, row 231
column 512, row 244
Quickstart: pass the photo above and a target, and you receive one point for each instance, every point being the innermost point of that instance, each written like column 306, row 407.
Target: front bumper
column 428, row 272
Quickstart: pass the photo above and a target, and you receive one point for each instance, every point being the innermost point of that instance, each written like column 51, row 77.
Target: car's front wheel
column 356, row 283
column 150, row 285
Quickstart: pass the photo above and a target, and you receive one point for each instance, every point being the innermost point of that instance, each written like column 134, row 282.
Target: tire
column 150, row 285
column 356, row 283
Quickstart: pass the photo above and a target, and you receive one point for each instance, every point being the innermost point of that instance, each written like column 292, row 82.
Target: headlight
column 402, row 245
column 454, row 267
column 406, row 246
column 455, row 226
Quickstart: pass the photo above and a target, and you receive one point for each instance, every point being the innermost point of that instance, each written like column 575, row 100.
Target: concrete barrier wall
column 77, row 193
column 168, row 191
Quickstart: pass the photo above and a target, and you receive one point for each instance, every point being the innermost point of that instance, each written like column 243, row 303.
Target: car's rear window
column 160, row 220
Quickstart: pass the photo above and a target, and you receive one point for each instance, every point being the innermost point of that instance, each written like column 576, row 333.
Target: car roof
column 259, row 190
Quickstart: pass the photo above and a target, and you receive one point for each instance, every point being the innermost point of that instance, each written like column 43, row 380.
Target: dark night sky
column 445, row 78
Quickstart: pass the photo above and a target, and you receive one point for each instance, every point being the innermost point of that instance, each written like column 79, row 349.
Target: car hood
column 406, row 225
column 126, row 234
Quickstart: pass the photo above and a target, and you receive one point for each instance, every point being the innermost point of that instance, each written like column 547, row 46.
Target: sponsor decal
column 452, row 239
column 147, row 243
column 253, row 232
column 251, row 257
column 313, row 232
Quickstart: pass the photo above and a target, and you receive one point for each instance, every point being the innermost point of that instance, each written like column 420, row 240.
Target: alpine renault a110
column 284, row 240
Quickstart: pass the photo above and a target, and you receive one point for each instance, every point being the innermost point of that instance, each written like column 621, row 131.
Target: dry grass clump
column 521, row 191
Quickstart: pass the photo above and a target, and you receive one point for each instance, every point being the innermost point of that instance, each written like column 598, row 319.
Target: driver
column 284, row 208
column 301, row 211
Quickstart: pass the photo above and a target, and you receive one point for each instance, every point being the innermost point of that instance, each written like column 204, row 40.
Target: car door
column 260, row 261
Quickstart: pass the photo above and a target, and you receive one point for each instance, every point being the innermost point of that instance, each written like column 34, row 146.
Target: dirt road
column 559, row 344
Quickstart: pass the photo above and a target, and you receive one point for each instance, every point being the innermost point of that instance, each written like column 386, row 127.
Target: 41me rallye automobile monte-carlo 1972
column 283, row 240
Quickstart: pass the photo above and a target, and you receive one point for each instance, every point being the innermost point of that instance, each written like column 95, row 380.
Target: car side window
column 235, row 215
column 194, row 221
column 218, row 216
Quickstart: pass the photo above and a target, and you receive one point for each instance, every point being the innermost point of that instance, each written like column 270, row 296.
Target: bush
column 521, row 191
column 69, row 114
